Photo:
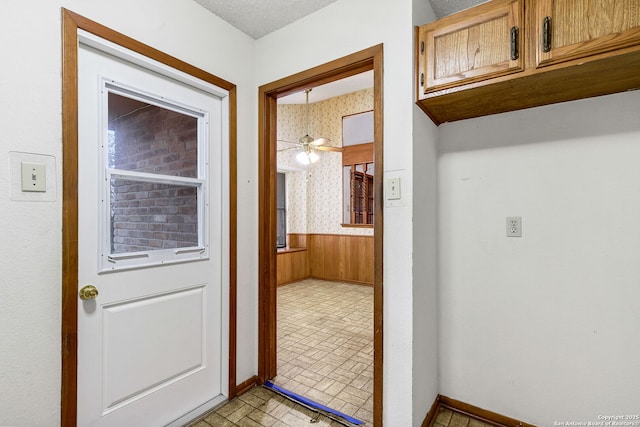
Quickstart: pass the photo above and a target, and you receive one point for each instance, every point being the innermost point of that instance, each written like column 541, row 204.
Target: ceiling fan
column 308, row 144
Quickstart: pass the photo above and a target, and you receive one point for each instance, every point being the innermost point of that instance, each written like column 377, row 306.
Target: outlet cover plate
column 514, row 226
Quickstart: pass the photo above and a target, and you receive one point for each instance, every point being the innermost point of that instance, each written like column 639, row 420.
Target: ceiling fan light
column 313, row 157
column 303, row 157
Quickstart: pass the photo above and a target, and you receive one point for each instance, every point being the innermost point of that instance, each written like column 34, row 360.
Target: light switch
column 34, row 177
column 392, row 191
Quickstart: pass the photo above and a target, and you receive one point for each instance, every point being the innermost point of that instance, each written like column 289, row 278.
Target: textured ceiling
column 261, row 17
column 447, row 7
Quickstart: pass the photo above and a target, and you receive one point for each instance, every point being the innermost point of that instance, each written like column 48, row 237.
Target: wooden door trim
column 365, row 60
column 71, row 23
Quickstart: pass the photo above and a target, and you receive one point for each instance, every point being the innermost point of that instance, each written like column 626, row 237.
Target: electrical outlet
column 514, row 226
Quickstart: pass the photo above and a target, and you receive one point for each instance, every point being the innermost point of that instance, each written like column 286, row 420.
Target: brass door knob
column 88, row 292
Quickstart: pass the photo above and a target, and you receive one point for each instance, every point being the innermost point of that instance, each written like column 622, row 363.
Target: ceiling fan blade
column 289, row 142
column 320, row 141
column 288, row 148
column 327, row 148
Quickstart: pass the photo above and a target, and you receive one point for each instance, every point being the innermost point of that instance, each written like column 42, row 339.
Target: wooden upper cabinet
column 573, row 29
column 477, row 44
column 470, row 64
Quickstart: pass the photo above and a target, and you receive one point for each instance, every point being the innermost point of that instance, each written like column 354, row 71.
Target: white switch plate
column 514, row 226
column 392, row 190
column 48, row 194
column 34, row 177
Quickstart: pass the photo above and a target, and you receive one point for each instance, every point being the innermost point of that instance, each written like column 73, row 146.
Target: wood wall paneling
column 341, row 257
column 296, row 240
column 355, row 154
column 337, row 257
column 292, row 265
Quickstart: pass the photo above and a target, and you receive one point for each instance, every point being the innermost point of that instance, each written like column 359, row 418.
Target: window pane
column 358, row 196
column 281, row 225
column 152, row 139
column 346, row 194
column 281, row 190
column 149, row 216
column 281, row 211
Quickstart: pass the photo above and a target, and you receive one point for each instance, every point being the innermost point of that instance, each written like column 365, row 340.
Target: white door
column 152, row 187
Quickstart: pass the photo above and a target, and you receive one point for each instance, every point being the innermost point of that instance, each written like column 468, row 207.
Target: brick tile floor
column 325, row 344
column 325, row 353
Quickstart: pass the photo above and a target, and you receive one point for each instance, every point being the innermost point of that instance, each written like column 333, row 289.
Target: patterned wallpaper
column 314, row 192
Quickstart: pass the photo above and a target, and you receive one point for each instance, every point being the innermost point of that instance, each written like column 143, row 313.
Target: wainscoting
column 340, row 257
column 292, row 265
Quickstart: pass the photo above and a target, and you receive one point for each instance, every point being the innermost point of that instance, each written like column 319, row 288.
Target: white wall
column 342, row 28
column 425, row 308
column 30, row 108
column 545, row 327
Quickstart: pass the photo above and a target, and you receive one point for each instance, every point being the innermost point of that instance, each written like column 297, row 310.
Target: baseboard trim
column 471, row 411
column 337, row 279
column 288, row 282
column 328, row 279
column 246, row 386
column 431, row 415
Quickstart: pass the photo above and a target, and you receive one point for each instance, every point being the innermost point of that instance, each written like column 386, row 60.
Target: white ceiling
column 258, row 18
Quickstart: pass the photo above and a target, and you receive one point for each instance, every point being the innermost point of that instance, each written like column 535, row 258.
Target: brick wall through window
column 149, row 215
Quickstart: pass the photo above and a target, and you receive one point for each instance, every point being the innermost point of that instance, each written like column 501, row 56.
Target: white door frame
column 91, row 32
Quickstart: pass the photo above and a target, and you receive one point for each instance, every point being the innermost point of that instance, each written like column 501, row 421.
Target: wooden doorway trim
column 71, row 23
column 365, row 60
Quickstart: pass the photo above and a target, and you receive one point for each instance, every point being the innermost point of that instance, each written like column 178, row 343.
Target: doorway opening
column 325, row 238
column 369, row 60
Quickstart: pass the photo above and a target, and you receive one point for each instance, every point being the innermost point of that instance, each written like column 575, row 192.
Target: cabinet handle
column 421, row 79
column 422, row 47
column 546, row 34
column 515, row 49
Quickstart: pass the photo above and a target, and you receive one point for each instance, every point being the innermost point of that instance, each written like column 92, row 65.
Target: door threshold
column 198, row 412
column 313, row 406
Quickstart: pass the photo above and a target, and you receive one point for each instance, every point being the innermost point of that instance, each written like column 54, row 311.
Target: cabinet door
column 573, row 29
column 473, row 45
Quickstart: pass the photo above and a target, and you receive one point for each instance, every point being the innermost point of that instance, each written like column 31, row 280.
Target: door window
column 153, row 197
